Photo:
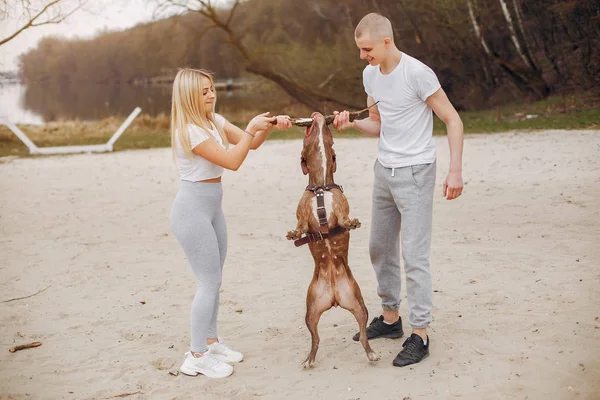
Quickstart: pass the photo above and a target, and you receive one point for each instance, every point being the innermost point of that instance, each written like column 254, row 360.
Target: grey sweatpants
column 402, row 206
column 198, row 223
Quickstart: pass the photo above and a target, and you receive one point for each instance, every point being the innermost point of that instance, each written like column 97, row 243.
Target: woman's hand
column 262, row 122
column 283, row 122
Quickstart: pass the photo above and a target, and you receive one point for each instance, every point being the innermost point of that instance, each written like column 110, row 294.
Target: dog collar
column 315, row 189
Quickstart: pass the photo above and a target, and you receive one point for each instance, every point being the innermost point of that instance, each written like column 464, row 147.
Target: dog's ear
column 304, row 166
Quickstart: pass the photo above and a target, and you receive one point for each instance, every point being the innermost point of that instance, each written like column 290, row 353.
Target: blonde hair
column 188, row 107
column 376, row 26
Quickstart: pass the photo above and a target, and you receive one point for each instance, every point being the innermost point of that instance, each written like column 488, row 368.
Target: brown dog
column 323, row 217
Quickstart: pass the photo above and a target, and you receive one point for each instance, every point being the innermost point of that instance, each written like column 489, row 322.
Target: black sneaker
column 414, row 350
column 379, row 329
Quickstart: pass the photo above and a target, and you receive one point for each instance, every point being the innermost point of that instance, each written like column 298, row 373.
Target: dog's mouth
column 318, row 120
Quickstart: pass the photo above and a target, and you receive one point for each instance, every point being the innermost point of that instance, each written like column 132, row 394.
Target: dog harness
column 324, row 231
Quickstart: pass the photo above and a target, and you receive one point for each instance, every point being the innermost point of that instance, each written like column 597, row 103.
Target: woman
column 201, row 143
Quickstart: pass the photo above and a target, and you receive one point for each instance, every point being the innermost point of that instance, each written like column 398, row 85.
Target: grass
column 144, row 133
column 581, row 111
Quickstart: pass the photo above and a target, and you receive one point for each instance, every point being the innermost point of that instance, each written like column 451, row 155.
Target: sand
column 514, row 263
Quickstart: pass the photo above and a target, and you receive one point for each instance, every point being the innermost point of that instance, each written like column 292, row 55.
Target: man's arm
column 440, row 104
column 370, row 125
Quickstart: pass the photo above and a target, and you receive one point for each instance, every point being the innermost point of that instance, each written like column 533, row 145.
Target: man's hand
column 342, row 120
column 453, row 185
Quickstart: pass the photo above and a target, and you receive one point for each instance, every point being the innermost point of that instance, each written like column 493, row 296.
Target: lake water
column 40, row 104
column 12, row 107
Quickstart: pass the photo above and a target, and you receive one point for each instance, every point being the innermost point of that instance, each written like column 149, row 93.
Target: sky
column 96, row 16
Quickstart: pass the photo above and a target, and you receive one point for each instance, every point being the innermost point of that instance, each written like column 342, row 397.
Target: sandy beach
column 514, row 263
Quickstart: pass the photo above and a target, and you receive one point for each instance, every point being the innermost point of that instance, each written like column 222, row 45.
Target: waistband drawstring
column 393, row 171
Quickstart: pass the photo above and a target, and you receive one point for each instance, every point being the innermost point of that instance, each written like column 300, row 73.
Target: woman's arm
column 235, row 156
column 234, row 134
column 229, row 159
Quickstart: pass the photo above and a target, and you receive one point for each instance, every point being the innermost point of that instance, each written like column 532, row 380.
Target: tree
column 527, row 77
column 31, row 13
column 480, row 49
column 209, row 10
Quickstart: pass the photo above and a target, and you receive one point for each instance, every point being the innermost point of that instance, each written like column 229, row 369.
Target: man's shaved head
column 375, row 27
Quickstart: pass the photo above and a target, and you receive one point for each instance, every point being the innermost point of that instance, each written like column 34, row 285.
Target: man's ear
column 304, row 166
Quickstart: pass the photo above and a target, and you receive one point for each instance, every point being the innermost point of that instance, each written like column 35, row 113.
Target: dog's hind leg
column 318, row 300
column 353, row 302
column 312, row 320
column 361, row 316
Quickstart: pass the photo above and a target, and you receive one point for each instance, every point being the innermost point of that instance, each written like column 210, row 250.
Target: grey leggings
column 199, row 225
column 402, row 206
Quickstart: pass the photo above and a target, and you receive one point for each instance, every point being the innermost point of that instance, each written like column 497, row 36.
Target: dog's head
column 318, row 156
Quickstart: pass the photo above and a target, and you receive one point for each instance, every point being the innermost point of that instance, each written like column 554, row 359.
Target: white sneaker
column 222, row 352
column 207, row 365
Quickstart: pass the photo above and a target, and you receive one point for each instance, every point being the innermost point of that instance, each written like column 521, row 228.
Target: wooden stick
column 24, row 346
column 353, row 115
column 26, row 297
column 328, row 118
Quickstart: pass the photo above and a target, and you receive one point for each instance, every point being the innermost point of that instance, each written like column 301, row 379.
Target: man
column 406, row 92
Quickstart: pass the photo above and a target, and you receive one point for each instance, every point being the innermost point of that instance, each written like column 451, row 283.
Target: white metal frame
column 90, row 148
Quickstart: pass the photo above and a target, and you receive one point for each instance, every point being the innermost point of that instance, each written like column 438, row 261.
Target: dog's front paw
column 354, row 224
column 293, row 235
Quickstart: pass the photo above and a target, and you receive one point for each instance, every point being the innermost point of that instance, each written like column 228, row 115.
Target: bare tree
column 476, row 29
column 481, row 40
column 513, row 33
column 526, row 77
column 209, row 9
column 31, row 13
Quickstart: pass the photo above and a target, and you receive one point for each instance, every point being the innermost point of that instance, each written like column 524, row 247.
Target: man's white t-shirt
column 193, row 167
column 406, row 136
